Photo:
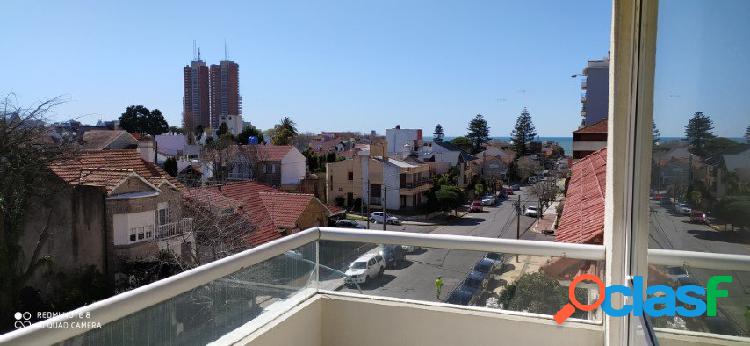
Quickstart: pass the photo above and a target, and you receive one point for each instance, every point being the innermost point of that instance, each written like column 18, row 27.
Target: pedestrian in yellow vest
column 438, row 286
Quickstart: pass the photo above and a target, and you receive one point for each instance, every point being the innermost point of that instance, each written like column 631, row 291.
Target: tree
column 698, row 132
column 537, row 293
column 526, row 167
column 439, row 134
column 479, row 133
column 655, row 134
column 223, row 128
column 170, row 166
column 450, row 197
column 250, row 131
column 175, row 129
column 523, row 133
column 25, row 154
column 284, row 132
column 747, row 134
column 138, row 119
column 462, row 143
column 219, row 224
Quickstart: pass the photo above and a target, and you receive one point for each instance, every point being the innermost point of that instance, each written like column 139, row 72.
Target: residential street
column 672, row 231
column 416, row 277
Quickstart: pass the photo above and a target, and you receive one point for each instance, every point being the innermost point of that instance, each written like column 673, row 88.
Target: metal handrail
column 121, row 305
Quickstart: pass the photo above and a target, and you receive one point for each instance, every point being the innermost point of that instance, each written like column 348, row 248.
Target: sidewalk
column 546, row 224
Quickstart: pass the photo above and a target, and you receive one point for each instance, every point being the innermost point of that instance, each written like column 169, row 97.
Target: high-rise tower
column 195, row 108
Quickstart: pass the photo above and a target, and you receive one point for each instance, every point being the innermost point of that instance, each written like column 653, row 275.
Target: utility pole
column 367, row 215
column 518, row 218
column 385, row 198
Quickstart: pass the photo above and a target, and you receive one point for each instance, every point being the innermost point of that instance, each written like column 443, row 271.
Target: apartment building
column 589, row 139
column 196, row 110
column 378, row 180
column 595, row 97
column 226, row 102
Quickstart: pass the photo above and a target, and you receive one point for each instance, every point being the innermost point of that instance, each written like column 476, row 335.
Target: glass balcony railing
column 228, row 299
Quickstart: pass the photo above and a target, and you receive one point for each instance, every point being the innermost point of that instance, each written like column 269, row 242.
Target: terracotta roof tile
column 582, row 218
column 100, row 139
column 597, row 127
column 269, row 209
column 72, row 170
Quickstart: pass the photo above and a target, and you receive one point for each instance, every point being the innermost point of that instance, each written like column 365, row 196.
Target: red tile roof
column 582, row 219
column 268, row 209
column 106, row 163
column 597, row 127
column 271, row 152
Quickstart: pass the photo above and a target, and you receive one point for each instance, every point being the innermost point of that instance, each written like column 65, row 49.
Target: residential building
column 397, row 138
column 281, row 166
column 195, row 105
column 595, row 98
column 269, row 213
column 109, row 207
column 375, row 180
column 589, row 139
column 441, row 156
column 493, row 164
column 226, row 102
column 734, row 170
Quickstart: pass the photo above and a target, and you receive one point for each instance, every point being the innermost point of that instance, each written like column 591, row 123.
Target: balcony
column 416, row 184
column 288, row 292
column 182, row 226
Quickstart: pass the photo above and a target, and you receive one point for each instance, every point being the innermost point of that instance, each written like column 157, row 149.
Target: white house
column 397, row 137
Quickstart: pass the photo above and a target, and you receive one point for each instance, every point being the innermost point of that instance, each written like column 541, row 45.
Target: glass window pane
column 700, row 172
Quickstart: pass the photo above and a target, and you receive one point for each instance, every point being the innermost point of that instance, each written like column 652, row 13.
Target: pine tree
column 479, row 132
column 747, row 134
column 523, row 133
column 698, row 132
column 439, row 134
column 656, row 135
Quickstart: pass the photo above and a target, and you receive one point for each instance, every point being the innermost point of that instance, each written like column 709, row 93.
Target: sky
column 329, row 65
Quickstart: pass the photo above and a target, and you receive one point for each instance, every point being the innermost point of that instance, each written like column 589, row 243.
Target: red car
column 698, row 216
column 476, row 206
column 509, row 191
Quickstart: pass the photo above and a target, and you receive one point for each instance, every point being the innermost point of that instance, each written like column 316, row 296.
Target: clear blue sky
column 344, row 65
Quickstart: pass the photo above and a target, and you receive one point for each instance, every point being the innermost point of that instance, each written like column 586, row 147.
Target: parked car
column 488, row 200
column 496, row 257
column 364, row 268
column 476, row 206
column 683, row 209
column 348, row 224
column 377, row 217
column 509, row 191
column 516, row 187
column 393, row 255
column 532, row 211
column 409, row 248
column 475, row 280
column 677, row 274
column 484, row 265
column 698, row 216
column 461, row 296
column 532, row 180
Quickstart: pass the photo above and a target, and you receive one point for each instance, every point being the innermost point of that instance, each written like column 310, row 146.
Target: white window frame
column 633, row 52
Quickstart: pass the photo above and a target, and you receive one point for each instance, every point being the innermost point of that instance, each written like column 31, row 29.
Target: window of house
column 163, row 216
column 351, row 175
column 149, row 232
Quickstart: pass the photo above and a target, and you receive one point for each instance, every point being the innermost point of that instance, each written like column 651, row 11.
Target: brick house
column 108, row 206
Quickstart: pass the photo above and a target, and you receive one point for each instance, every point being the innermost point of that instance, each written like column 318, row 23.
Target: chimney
column 147, row 149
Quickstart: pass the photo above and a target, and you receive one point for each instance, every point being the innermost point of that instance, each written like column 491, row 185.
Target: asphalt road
column 669, row 230
column 415, row 278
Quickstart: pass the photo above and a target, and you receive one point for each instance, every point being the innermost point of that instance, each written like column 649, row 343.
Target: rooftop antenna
column 199, row 53
column 225, row 49
column 195, row 57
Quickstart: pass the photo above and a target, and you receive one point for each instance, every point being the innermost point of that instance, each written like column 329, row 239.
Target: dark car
column 461, row 296
column 348, row 224
column 475, row 280
column 393, row 255
column 484, row 265
column 516, row 187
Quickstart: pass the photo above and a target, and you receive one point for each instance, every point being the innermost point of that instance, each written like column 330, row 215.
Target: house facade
column 108, row 207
